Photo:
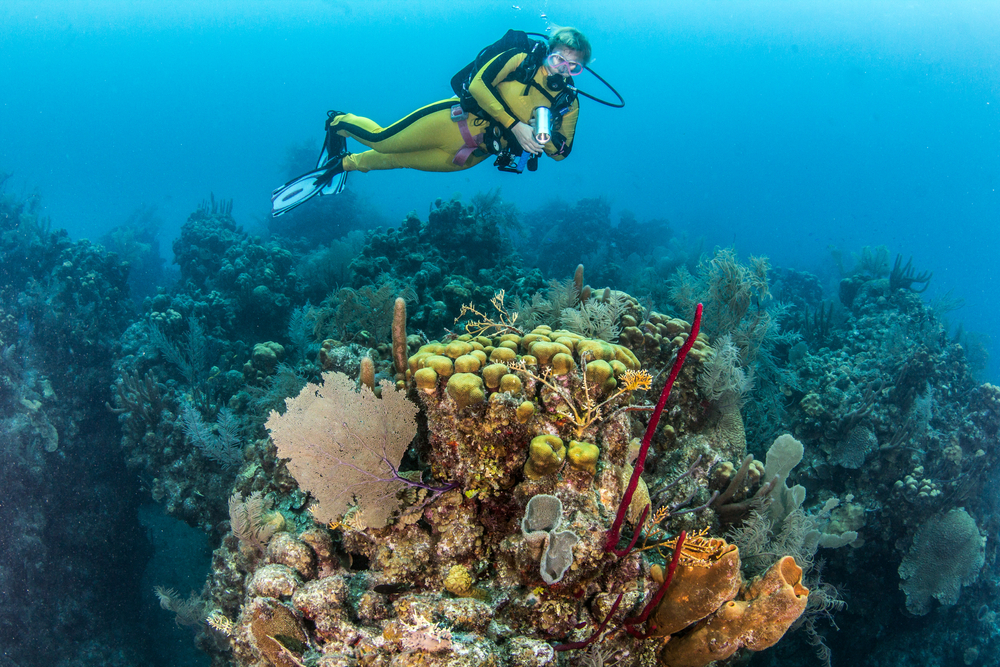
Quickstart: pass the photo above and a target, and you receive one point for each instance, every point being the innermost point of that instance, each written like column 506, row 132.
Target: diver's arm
column 559, row 149
column 484, row 86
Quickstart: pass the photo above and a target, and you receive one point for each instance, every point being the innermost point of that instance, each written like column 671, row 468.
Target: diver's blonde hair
column 571, row 38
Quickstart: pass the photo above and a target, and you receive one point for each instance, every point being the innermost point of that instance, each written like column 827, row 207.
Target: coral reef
column 73, row 547
column 410, row 449
column 489, row 542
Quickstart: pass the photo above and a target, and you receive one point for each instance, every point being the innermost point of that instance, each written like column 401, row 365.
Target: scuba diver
column 516, row 101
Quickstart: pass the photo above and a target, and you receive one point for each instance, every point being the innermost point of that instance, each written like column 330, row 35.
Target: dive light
column 541, row 124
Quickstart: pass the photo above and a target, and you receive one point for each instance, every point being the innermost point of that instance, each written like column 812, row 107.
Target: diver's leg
column 426, row 128
column 432, row 159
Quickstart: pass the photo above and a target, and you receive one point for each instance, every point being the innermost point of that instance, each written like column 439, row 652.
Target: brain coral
column 947, row 553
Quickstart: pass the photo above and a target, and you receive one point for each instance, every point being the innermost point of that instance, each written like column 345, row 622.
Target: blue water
column 785, row 128
column 782, row 127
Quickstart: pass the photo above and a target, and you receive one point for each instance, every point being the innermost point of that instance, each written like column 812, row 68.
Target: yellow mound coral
column 492, row 375
column 426, row 379
column 583, row 455
column 458, row 582
column 546, row 455
column 466, row 389
column 510, row 383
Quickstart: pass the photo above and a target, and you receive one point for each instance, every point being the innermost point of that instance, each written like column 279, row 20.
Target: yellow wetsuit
column 428, row 139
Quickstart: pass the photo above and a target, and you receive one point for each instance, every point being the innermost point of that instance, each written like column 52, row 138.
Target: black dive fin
column 330, row 180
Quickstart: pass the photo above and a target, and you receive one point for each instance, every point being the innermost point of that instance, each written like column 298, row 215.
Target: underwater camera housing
column 510, row 158
column 515, row 164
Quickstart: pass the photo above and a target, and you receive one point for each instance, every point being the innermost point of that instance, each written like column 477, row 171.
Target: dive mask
column 557, row 62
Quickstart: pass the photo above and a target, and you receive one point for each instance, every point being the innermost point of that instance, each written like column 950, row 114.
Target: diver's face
column 565, row 61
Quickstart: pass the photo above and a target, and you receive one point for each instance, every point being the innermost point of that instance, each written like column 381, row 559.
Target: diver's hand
column 526, row 137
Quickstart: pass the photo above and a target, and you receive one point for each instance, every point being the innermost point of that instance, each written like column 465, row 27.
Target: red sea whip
column 614, row 533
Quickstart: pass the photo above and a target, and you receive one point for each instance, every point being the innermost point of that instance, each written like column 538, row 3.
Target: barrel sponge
column 640, row 500
column 947, row 553
column 542, row 518
column 546, row 454
column 543, row 514
column 269, row 619
column 769, row 607
column 705, row 580
column 466, row 389
column 558, row 556
column 776, row 599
